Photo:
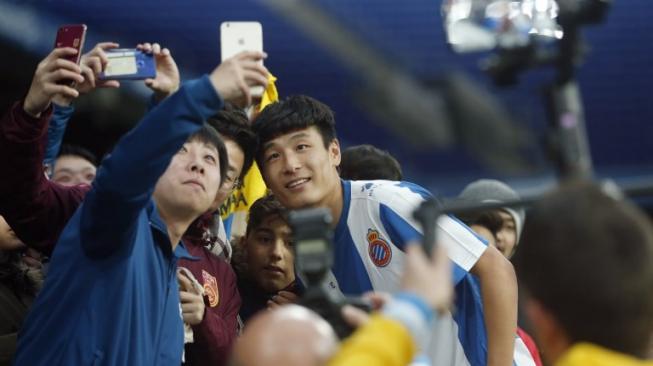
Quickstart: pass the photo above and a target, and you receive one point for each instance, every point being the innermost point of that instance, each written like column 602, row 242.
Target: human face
column 300, row 171
column 269, row 255
column 507, row 234
column 236, row 161
column 190, row 183
column 8, row 239
column 71, row 170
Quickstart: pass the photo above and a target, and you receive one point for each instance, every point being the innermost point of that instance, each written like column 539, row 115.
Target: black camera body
column 313, row 246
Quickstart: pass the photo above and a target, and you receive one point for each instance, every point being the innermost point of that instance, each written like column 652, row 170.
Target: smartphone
column 236, row 37
column 71, row 35
column 129, row 64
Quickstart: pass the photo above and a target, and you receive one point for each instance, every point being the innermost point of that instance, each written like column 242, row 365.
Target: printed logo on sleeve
column 210, row 285
column 378, row 249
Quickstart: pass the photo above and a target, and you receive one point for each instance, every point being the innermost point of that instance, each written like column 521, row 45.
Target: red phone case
column 72, row 35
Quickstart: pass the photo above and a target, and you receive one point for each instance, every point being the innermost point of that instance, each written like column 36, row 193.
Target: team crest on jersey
column 210, row 288
column 378, row 249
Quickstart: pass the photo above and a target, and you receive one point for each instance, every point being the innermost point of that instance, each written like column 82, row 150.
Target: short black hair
column 366, row 162
column 263, row 208
column 232, row 123
column 294, row 113
column 209, row 135
column 491, row 220
column 588, row 259
column 78, row 151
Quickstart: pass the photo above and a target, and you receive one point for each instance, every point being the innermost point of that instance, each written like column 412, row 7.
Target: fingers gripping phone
column 73, row 36
column 236, row 37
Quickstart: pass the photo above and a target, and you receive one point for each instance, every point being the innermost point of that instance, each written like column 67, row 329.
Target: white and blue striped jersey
column 375, row 225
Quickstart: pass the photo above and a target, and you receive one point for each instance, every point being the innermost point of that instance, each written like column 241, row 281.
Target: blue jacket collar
column 157, row 224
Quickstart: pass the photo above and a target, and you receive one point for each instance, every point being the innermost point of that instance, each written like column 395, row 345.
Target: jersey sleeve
column 396, row 206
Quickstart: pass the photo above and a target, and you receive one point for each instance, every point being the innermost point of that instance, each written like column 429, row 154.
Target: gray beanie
column 491, row 190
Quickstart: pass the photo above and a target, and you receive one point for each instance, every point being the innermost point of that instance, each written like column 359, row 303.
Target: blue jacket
column 111, row 296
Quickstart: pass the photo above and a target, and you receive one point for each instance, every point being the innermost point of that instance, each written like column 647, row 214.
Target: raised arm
column 499, row 293
column 126, row 179
column 35, row 208
column 92, row 63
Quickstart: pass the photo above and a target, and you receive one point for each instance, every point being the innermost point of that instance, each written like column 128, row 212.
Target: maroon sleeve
column 215, row 335
column 34, row 207
column 530, row 344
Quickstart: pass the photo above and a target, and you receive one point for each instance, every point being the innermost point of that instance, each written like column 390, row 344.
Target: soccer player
column 298, row 154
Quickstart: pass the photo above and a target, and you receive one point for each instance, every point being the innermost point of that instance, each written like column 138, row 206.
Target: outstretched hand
column 166, row 81
column 92, row 64
column 429, row 278
column 234, row 77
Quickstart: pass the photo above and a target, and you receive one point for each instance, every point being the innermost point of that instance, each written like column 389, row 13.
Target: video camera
column 313, row 246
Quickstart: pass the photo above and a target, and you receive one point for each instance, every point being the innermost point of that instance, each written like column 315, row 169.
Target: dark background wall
column 616, row 78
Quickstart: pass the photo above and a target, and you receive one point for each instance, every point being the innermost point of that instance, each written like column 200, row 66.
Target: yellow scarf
column 587, row 354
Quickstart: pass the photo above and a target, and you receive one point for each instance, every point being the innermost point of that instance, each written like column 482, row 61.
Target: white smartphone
column 236, row 37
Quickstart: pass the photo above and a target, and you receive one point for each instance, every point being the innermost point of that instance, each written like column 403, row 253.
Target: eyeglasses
column 230, row 183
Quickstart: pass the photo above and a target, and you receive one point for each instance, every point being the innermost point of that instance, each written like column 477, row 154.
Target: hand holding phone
column 233, row 78
column 167, row 78
column 46, row 83
column 73, row 36
column 91, row 64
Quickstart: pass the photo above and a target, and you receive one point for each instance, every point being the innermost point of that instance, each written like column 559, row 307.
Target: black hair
column 13, row 274
column 366, row 162
column 491, row 220
column 232, row 123
column 78, row 151
column 294, row 113
column 263, row 208
column 209, row 135
column 587, row 258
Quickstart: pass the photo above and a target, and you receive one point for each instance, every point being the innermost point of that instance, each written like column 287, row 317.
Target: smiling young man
column 111, row 296
column 299, row 154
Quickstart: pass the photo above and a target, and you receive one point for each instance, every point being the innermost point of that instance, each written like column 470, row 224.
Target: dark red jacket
column 36, row 208
column 216, row 333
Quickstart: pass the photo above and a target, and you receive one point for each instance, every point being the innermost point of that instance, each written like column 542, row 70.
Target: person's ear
column 334, row 152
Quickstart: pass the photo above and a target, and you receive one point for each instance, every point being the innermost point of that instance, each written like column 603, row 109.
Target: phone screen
column 121, row 63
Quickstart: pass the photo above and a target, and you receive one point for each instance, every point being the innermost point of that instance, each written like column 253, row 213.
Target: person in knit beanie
column 492, row 191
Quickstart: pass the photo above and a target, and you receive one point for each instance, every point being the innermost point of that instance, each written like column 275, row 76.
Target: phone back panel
column 73, row 36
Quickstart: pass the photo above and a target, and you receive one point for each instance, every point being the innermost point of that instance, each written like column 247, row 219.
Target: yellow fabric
column 253, row 186
column 270, row 95
column 380, row 342
column 587, row 354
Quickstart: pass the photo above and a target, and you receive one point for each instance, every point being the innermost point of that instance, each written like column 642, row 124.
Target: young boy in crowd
column 512, row 220
column 264, row 259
